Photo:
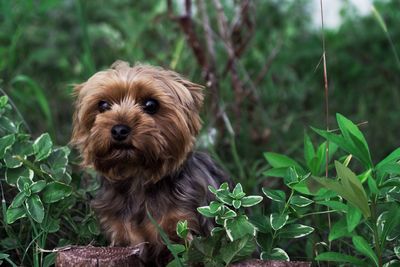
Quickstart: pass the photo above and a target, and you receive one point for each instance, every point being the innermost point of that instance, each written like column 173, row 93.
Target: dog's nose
column 120, row 131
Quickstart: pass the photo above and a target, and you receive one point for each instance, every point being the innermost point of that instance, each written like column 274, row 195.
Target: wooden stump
column 98, row 257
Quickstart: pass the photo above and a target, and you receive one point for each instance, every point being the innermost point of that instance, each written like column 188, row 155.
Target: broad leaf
column 14, row 214
column 295, row 231
column 250, row 201
column 275, row 195
column 5, row 143
column 35, row 208
column 277, row 221
column 278, row 161
column 363, row 247
column 56, row 191
column 238, row 227
column 277, row 254
column 42, row 146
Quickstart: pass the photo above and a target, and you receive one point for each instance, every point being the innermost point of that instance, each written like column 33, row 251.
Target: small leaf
column 238, row 191
column 93, row 227
column 278, row 220
column 277, row 254
column 239, row 227
column 215, row 207
column 51, row 225
column 35, row 208
column 236, row 204
column 363, row 247
column 14, row 214
column 38, row 186
column 338, row 230
column 261, row 222
column 11, row 160
column 335, row 205
column 396, row 251
column 228, row 214
column 22, row 182
column 205, row 211
column 5, row 143
column 176, row 248
column 42, row 146
column 8, row 125
column 279, row 161
column 250, row 201
column 182, row 229
column 309, row 151
column 300, row 201
column 18, row 200
column 339, row 257
column 295, row 231
column 275, row 195
column 56, row 191
column 212, row 189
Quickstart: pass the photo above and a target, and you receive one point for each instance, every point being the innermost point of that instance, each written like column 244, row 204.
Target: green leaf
column 238, row 249
column 276, row 172
column 295, row 231
column 396, row 251
column 275, row 195
column 250, row 201
column 14, row 214
column 18, row 200
column 93, row 227
column 339, row 257
column 277, row 254
column 261, row 222
column 309, row 151
column 363, row 247
column 392, row 157
column 35, row 208
column 215, row 207
column 277, row 221
column 300, row 201
column 205, row 211
column 236, row 204
column 58, row 159
column 42, row 147
column 38, row 186
column 353, row 218
column 23, row 148
column 23, row 182
column 228, row 213
column 182, row 229
column 11, row 160
column 238, row 227
column 49, row 260
column 176, row 248
column 338, row 230
column 56, row 191
column 51, row 225
column 3, row 101
column 7, row 125
column 238, row 191
column 5, row 143
column 351, row 132
column 12, row 175
column 279, row 161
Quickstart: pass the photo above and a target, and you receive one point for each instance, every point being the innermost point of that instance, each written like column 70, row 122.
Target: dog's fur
column 155, row 170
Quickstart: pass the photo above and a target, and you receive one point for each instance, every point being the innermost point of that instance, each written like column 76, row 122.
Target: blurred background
column 259, row 59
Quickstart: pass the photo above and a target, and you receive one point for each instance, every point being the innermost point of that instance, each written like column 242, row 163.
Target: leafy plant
column 39, row 174
column 360, row 208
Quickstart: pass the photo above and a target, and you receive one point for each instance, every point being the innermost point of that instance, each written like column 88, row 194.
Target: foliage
column 361, row 209
column 37, row 176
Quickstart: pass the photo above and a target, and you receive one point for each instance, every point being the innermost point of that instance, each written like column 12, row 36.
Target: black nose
column 120, row 131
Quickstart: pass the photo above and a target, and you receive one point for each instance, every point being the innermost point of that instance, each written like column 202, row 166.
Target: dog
column 137, row 126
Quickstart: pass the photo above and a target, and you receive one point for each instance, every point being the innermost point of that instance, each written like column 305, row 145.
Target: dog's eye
column 104, row 106
column 150, row 106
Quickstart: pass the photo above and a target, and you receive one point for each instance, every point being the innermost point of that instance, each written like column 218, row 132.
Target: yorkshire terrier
column 136, row 126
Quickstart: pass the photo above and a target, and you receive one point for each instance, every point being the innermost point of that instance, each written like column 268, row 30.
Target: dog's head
column 138, row 121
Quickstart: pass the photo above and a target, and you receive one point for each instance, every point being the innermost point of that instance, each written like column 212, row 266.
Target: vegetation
column 260, row 62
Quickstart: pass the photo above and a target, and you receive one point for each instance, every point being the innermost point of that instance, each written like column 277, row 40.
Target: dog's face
column 136, row 122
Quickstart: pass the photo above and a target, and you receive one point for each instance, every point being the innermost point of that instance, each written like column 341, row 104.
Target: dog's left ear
column 195, row 90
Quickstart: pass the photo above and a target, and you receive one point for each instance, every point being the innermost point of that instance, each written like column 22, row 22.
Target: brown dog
column 137, row 126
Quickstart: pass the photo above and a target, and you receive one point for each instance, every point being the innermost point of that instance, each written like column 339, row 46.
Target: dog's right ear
column 76, row 138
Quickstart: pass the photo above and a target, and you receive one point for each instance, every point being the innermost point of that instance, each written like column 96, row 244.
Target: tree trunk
column 98, row 257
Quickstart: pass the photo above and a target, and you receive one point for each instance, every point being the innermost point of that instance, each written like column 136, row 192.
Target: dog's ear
column 195, row 90
column 76, row 138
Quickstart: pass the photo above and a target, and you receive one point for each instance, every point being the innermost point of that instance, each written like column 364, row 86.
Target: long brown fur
column 156, row 171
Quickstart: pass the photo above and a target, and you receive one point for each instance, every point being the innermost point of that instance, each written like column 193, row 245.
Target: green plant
column 362, row 210
column 38, row 177
column 231, row 240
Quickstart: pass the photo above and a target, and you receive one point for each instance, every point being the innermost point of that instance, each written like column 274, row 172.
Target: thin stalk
column 375, row 231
